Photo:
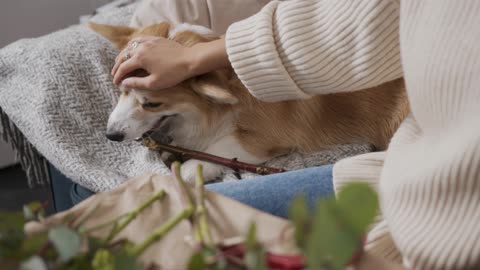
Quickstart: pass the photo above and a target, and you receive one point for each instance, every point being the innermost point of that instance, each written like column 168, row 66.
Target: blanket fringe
column 32, row 162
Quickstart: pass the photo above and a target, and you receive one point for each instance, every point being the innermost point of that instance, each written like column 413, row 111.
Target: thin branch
column 191, row 154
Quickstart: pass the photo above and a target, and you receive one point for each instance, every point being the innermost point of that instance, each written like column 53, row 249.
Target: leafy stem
column 132, row 215
column 184, row 191
column 159, row 233
column 201, row 210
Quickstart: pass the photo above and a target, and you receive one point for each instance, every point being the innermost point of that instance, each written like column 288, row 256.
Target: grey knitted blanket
column 56, row 95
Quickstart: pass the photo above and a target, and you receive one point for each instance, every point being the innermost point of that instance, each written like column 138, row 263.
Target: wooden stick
column 231, row 163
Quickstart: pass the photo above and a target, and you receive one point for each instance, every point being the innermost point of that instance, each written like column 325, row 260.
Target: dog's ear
column 158, row 30
column 190, row 38
column 214, row 86
column 118, row 35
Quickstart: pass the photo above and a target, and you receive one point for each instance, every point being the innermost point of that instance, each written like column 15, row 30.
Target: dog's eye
column 147, row 105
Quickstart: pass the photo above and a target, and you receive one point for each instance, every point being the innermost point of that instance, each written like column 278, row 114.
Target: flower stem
column 103, row 225
column 184, row 191
column 159, row 233
column 132, row 215
column 201, row 210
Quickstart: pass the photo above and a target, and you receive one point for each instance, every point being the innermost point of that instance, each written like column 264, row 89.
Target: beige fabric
column 428, row 180
column 228, row 219
column 214, row 14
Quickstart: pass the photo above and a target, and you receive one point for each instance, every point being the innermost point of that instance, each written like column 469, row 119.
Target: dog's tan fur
column 267, row 129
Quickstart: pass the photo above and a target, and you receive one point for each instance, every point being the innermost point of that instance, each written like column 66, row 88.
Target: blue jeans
column 272, row 194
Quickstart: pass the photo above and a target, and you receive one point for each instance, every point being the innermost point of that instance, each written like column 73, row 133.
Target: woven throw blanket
column 56, row 95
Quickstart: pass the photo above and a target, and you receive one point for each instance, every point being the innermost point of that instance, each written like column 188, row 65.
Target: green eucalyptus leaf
column 33, row 210
column 255, row 259
column 11, row 220
column 124, row 261
column 34, row 263
column 197, row 262
column 221, row 264
column 11, row 234
column 28, row 213
column 339, row 226
column 255, row 255
column 330, row 244
column 94, row 244
column 323, row 228
column 78, row 263
column 65, row 241
column 299, row 215
column 358, row 204
column 103, row 260
column 34, row 243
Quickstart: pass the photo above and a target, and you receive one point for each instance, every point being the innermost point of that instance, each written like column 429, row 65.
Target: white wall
column 33, row 18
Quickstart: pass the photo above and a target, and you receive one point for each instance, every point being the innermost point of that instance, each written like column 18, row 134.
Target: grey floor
column 14, row 191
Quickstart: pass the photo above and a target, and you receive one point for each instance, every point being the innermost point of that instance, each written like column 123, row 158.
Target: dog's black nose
column 117, row 137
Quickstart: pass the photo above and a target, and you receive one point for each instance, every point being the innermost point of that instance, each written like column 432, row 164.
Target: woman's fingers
column 121, row 57
column 131, row 47
column 144, row 83
column 124, row 68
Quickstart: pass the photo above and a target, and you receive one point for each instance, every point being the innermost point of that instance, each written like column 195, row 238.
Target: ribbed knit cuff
column 254, row 57
column 364, row 168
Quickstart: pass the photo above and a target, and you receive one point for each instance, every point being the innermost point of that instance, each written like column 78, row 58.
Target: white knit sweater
column 428, row 180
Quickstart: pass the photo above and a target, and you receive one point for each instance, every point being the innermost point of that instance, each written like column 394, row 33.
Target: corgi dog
column 215, row 113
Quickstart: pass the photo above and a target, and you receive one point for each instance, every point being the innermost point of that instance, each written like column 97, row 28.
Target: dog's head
column 186, row 110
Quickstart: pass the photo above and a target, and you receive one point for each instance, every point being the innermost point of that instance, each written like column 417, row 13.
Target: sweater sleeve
column 295, row 49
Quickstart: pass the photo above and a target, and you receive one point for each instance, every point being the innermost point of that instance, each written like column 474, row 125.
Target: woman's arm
column 289, row 50
column 295, row 49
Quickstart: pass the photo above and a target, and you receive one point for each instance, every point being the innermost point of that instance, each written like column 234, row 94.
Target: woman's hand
column 166, row 62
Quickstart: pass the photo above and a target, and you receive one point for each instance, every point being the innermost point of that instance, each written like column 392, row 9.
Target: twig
column 188, row 154
column 132, row 215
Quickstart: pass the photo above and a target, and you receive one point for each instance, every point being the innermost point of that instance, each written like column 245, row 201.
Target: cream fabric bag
column 227, row 218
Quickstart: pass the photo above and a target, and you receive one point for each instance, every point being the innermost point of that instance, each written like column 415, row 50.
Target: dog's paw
column 165, row 157
column 210, row 171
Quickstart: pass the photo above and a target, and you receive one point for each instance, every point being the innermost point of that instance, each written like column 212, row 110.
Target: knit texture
column 428, row 178
column 295, row 49
column 57, row 90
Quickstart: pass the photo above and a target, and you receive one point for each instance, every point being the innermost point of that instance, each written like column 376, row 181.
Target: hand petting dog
column 166, row 63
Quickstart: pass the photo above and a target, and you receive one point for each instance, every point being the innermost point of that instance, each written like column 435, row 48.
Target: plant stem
column 201, row 210
column 184, row 191
column 103, row 225
column 159, row 233
column 132, row 215
column 231, row 163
